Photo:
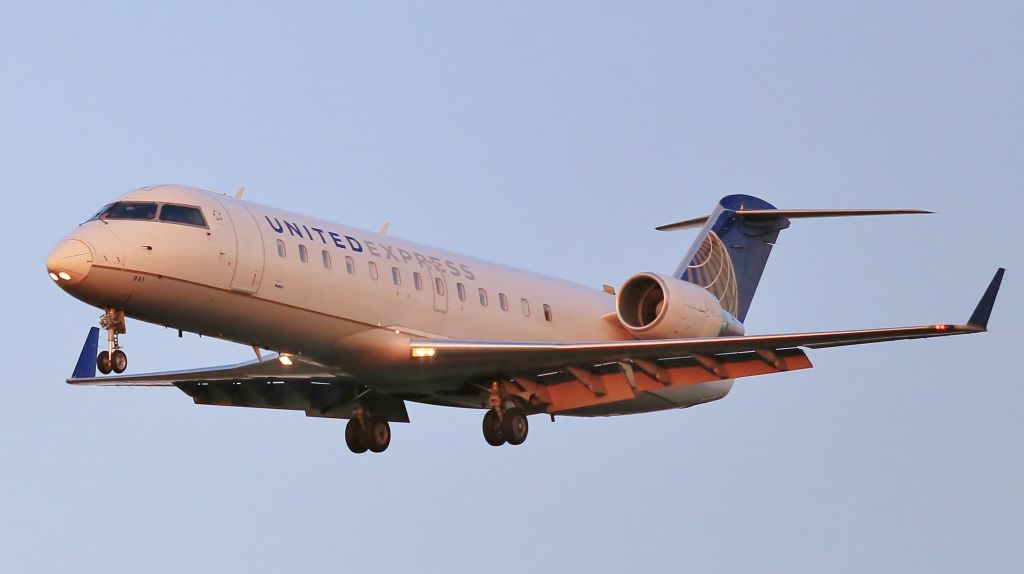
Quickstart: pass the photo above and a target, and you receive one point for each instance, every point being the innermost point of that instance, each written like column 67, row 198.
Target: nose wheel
column 113, row 359
column 117, row 362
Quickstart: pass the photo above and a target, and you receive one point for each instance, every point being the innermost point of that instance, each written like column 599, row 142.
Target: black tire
column 492, row 429
column 119, row 361
column 103, row 363
column 354, row 437
column 514, row 426
column 377, row 435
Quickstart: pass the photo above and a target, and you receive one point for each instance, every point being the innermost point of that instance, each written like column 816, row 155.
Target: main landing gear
column 364, row 433
column 504, row 425
column 113, row 359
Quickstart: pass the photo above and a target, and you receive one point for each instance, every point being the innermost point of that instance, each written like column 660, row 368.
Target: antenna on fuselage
column 240, row 192
column 384, row 228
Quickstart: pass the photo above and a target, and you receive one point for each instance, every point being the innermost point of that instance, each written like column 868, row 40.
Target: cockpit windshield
column 182, row 214
column 147, row 211
column 131, row 210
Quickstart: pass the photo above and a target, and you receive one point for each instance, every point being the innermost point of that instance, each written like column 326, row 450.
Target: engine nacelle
column 655, row 306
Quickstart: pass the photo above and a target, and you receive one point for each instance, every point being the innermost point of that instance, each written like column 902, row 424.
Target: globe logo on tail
column 712, row 269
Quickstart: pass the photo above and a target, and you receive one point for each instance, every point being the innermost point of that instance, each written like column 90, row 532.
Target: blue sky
column 552, row 136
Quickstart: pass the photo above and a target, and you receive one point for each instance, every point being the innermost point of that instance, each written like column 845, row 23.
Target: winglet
column 984, row 309
column 86, row 366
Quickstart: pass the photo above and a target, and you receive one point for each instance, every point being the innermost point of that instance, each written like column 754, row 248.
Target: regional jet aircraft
column 358, row 323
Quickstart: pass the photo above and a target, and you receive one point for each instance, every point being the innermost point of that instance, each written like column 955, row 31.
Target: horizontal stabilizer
column 763, row 214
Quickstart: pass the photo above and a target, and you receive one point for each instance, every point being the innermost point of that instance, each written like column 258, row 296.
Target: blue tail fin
column 729, row 255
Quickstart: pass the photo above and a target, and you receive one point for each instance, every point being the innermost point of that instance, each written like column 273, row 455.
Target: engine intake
column 655, row 306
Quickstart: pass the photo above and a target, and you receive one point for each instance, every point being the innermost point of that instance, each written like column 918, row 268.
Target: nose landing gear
column 113, row 359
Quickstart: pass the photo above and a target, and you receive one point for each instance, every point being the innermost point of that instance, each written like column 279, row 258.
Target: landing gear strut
column 113, row 359
column 504, row 425
column 364, row 433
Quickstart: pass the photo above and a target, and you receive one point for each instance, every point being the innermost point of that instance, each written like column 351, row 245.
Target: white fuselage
column 344, row 297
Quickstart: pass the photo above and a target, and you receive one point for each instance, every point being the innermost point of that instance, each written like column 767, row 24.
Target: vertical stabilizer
column 729, row 254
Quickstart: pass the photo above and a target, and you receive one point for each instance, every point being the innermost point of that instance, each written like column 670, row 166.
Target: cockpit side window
column 131, row 210
column 182, row 214
column 100, row 213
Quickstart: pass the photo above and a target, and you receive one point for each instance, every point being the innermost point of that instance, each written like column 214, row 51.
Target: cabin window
column 131, row 210
column 462, row 291
column 373, row 271
column 526, row 307
column 417, row 280
column 327, row 259
column 396, row 276
column 439, row 286
column 503, row 301
column 280, row 248
column 303, row 254
column 483, row 297
column 182, row 214
column 547, row 312
column 350, row 265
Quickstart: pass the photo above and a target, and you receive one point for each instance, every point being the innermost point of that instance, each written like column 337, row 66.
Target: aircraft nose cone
column 70, row 262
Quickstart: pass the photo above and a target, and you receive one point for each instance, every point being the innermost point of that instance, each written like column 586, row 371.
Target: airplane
column 356, row 324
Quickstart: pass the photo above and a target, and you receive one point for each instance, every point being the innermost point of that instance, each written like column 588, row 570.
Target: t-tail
column 730, row 253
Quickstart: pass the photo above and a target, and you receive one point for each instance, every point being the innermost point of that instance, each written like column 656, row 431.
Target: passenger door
column 249, row 239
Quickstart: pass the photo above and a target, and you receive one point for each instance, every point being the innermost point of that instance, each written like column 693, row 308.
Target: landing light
column 54, row 276
column 423, row 352
column 64, row 275
column 286, row 360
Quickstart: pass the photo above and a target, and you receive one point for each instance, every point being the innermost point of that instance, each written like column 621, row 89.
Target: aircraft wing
column 519, row 357
column 516, row 356
column 267, row 383
column 268, row 369
column 302, row 386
